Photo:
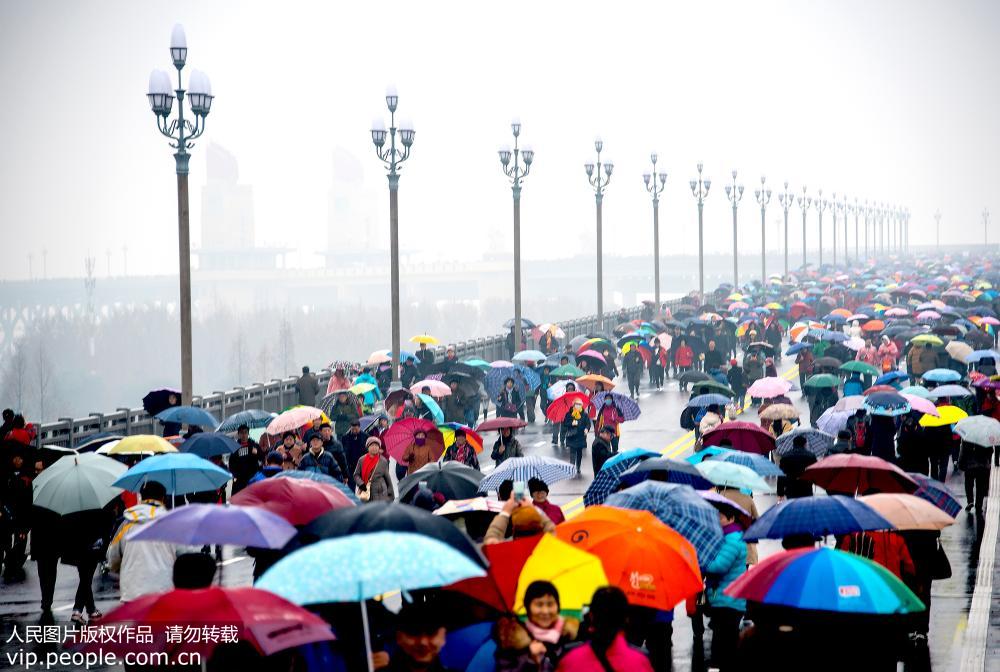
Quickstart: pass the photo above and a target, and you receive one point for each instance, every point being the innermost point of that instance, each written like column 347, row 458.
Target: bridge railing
column 277, row 394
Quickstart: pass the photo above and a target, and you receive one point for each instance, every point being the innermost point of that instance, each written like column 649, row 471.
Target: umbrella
column 852, row 473
column 822, row 380
column 530, row 357
column 496, row 424
column 253, row 418
column 451, row 479
column 437, row 388
column 693, row 377
column 209, row 445
column 401, row 433
column 757, row 463
column 141, row 444
column 937, row 493
column 731, row 475
column 926, row 339
column 886, row 403
column 767, row 388
column 629, row 408
column 77, row 483
column 567, row 371
column 496, row 378
column 779, row 412
column 705, row 400
column 907, row 512
column 201, row 524
column 873, row 325
column 266, row 621
column 947, row 415
column 299, row 501
column 424, row 338
column 874, row 389
column 680, row 507
column 293, row 419
column 942, row 376
column 816, row 517
column 473, row 437
column 864, row 368
column 666, row 470
column 433, row 406
column 916, row 391
column 942, row 391
column 322, row 479
column 562, row 405
column 547, row 469
column 158, row 400
column 525, row 323
column 711, row 386
column 795, row 347
column 921, row 405
column 825, row 579
column 179, row 473
column 745, row 436
column 594, row 359
column 833, row 420
column 654, row 565
column 890, row 378
column 188, row 415
column 608, row 478
column 95, row 441
column 827, row 363
column 958, row 350
column 817, row 442
column 981, row 430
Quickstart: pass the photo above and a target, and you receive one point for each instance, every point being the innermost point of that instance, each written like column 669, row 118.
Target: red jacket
column 684, row 356
column 619, row 655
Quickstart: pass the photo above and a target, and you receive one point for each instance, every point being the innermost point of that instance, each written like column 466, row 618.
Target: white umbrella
column 981, row 430
column 78, row 483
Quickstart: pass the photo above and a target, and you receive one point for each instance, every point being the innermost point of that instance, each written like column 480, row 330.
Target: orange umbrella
column 652, row 563
column 908, row 512
column 873, row 325
column 843, row 312
column 590, row 382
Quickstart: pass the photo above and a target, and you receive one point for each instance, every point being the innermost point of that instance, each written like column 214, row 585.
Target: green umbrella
column 864, row 368
column 567, row 371
column 78, row 483
column 823, row 380
column 709, row 386
column 478, row 363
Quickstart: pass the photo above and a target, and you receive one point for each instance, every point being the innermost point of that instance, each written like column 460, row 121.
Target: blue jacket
column 726, row 567
column 369, row 397
column 853, row 386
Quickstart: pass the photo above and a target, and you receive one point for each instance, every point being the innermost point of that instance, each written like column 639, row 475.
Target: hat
column 373, row 439
column 526, row 520
column 459, row 432
column 732, row 362
column 606, row 429
column 355, row 423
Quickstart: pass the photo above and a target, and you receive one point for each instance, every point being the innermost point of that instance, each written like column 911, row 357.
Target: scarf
column 547, row 635
column 576, row 413
column 461, row 453
column 368, row 465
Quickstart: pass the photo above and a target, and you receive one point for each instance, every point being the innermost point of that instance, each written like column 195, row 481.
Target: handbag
column 364, row 494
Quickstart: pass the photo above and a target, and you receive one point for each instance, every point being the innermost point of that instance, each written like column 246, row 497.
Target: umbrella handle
column 368, row 643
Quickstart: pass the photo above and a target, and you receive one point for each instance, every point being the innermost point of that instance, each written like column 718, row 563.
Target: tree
column 43, row 373
column 15, row 374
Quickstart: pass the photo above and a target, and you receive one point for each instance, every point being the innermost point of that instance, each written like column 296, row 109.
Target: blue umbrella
column 320, row 478
column 608, row 478
column 705, row 400
column 758, row 463
column 253, row 418
column 942, row 376
column 978, row 355
column 795, row 347
column 680, row 507
column 890, row 378
column 188, row 415
column 886, row 403
column 630, row 454
column 817, row 517
column 730, row 475
column 180, row 474
column 666, row 470
column 208, row 445
column 630, row 410
column 832, row 420
column 392, row 561
column 525, row 382
column 937, row 493
column 818, row 443
column 708, row 453
column 834, row 336
column 547, row 469
column 471, row 649
column 436, row 411
column 201, row 524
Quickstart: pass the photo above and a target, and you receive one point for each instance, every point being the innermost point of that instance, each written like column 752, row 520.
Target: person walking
column 683, row 360
column 509, row 401
column 318, row 459
column 632, row 363
column 308, row 387
column 577, row 425
column 794, row 463
column 804, row 358
column 602, row 449
column 724, row 611
column 418, row 453
column 371, row 475
column 975, row 461
column 461, row 451
column 506, row 446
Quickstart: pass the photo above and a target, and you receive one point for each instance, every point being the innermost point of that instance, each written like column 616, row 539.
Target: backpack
column 860, row 434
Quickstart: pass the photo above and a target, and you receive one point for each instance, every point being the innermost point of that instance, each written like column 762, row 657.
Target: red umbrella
column 500, row 423
column 852, row 473
column 268, row 622
column 561, row 405
column 745, row 436
column 400, row 435
column 298, row 501
column 880, row 388
column 395, row 400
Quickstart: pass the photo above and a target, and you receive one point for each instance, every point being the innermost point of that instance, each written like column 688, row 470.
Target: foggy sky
column 888, row 100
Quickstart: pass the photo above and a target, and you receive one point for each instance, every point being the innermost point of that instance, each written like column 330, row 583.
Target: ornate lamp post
column 599, row 184
column 868, row 209
column 516, row 172
column 181, row 133
column 699, row 189
column 937, row 228
column 393, row 157
column 986, row 226
column 857, row 213
column 655, row 189
column 821, row 205
column 845, row 209
column 804, row 203
column 734, row 193
column 763, row 196
column 833, row 225
column 785, row 200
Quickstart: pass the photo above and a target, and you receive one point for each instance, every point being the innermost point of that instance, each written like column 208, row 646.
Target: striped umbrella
column 607, row 479
column 816, row 516
column 832, row 420
column 759, row 464
column 525, row 379
column 547, row 469
column 705, row 400
column 253, row 418
column 630, row 410
column 667, row 470
column 818, row 443
column 937, row 493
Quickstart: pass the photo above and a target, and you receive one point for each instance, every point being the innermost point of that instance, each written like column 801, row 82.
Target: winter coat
column 973, row 457
column 709, row 421
column 143, row 566
column 793, row 464
column 867, row 354
column 308, row 388
column 684, row 356
column 354, row 448
column 508, row 403
column 620, row 656
column 425, row 355
column 881, row 438
column 886, row 548
column 245, row 462
column 380, row 483
column 324, row 463
column 727, row 566
column 416, row 457
column 600, row 451
column 342, row 414
column 513, row 640
column 576, row 434
column 454, row 408
column 632, row 363
column 369, row 397
column 805, row 360
column 713, row 359
column 471, row 459
column 512, row 448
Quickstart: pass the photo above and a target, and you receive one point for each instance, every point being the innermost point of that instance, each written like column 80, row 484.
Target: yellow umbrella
column 576, row 574
column 949, row 416
column 424, row 338
column 361, row 388
column 927, row 339
column 142, row 444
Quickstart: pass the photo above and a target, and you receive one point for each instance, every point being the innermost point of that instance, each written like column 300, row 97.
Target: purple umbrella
column 630, row 410
column 201, row 524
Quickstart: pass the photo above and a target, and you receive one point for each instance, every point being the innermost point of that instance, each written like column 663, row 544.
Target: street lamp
column 821, row 205
column 833, row 225
column 734, row 193
column 699, row 189
column 516, row 172
column 599, row 184
column 655, row 189
column 937, row 228
column 986, row 226
column 845, row 210
column 392, row 158
column 763, row 196
column 804, row 203
column 785, row 200
column 868, row 215
column 857, row 213
column 181, row 133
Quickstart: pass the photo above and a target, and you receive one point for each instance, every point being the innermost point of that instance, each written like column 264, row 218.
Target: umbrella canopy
column 401, row 433
column 908, row 512
column 530, row 357
column 731, row 475
column 822, row 380
column 942, row 391
column 547, row 469
column 567, row 371
column 562, row 405
column 141, row 444
column 654, row 565
column 189, row 415
column 827, row 363
column 321, row 478
column 525, row 323
column 757, row 463
column 299, row 501
column 201, row 524
column 779, row 412
column 891, row 378
column 817, row 517
column 886, row 403
column 608, row 478
column 825, row 579
column 433, row 406
column 864, row 368
column 947, row 415
column 179, row 473
column 77, row 483
column 525, row 379
column 849, row 403
column 694, row 377
column 496, row 424
column 266, row 621
column 629, row 408
column 303, row 577
column 706, row 400
column 253, row 418
column 679, row 507
column 817, row 442
column 767, row 388
column 667, row 470
column 937, row 493
column 833, row 420
column 293, row 419
column 981, row 430
column 158, row 400
column 437, row 388
column 591, row 380
column 852, row 473
column 711, row 386
column 424, row 338
column 916, row 391
column 745, row 436
column 208, row 445
column 452, row 479
column 958, row 350
column 942, row 376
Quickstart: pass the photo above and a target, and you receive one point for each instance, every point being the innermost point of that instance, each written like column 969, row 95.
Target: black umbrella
column 665, row 469
column 467, row 385
column 452, row 479
column 462, row 368
column 525, row 323
column 827, row 363
column 157, row 401
column 393, row 517
column 694, row 377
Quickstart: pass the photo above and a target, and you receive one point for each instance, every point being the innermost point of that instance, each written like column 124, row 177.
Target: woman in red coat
column 683, row 359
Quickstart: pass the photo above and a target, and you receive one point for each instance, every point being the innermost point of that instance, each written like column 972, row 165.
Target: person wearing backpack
column 857, row 425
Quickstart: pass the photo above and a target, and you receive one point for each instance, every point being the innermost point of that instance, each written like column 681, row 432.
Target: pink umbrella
column 991, row 321
column 922, row 405
column 400, row 436
column 593, row 353
column 767, row 388
column 897, row 312
column 738, row 305
column 292, row 419
column 500, row 363
column 438, row 389
column 928, row 315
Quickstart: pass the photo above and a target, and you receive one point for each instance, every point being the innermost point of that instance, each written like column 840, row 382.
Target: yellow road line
column 676, row 448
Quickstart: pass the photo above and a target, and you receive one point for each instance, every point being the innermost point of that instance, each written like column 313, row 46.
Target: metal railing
column 277, row 394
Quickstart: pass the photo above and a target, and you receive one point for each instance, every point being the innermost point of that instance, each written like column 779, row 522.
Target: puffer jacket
column 727, row 566
column 144, row 566
column 513, row 640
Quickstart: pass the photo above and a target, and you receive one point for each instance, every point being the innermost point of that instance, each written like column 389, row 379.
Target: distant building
column 354, row 236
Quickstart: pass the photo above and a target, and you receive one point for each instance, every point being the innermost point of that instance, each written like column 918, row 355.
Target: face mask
column 420, row 440
column 607, row 401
